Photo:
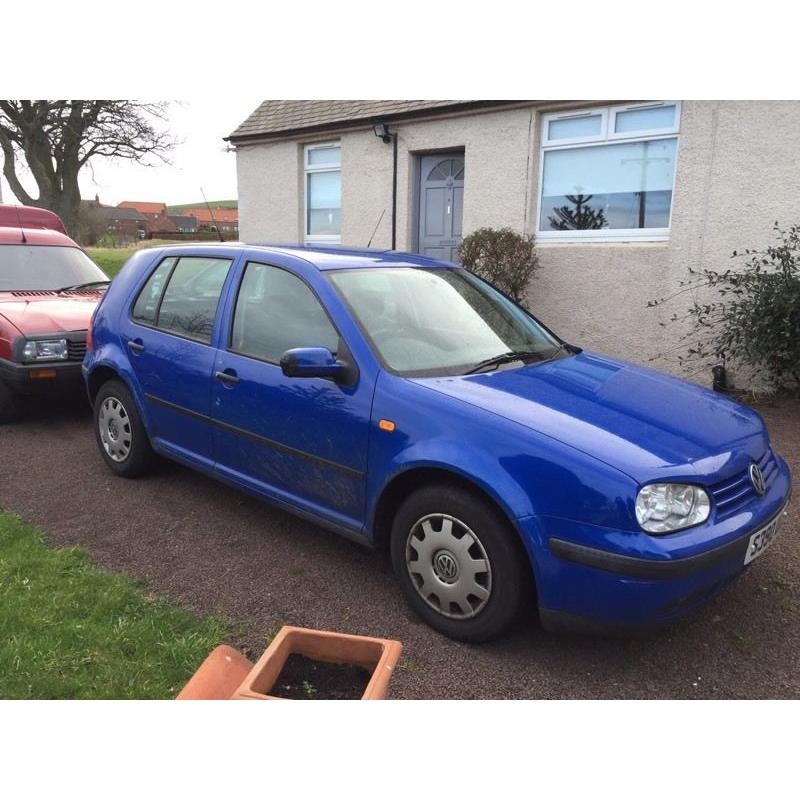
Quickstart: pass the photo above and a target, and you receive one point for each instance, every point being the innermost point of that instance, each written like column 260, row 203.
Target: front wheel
column 458, row 563
column 119, row 431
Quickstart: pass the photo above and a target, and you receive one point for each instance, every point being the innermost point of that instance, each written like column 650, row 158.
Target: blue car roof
column 327, row 257
column 337, row 257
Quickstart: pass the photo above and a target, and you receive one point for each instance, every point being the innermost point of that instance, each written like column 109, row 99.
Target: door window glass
column 276, row 312
column 190, row 300
column 188, row 305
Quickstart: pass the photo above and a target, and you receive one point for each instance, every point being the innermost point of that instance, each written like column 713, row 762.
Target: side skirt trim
column 284, row 448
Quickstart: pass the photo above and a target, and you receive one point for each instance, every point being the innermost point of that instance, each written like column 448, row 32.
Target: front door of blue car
column 299, row 440
column 168, row 337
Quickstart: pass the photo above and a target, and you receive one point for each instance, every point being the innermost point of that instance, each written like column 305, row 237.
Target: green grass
column 202, row 204
column 111, row 259
column 71, row 630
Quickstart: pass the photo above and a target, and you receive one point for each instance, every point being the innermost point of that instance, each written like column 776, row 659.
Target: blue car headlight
column 668, row 507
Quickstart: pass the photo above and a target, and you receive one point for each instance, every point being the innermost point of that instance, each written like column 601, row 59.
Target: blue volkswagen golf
column 405, row 403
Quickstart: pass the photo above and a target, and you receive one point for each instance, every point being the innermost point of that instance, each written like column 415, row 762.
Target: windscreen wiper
column 504, row 358
column 78, row 286
column 564, row 347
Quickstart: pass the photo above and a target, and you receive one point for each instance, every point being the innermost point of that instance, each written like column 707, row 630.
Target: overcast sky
column 200, row 160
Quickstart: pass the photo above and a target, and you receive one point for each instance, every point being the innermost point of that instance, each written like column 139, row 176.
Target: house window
column 608, row 173
column 323, row 192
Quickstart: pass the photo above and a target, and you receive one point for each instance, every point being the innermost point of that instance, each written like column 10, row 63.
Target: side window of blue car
column 146, row 306
column 182, row 295
column 275, row 312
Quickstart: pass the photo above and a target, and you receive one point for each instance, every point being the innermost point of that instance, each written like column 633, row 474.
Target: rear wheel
column 458, row 562
column 119, row 431
column 10, row 404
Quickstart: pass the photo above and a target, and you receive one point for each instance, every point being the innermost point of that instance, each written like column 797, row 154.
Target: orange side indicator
column 42, row 373
column 386, row 425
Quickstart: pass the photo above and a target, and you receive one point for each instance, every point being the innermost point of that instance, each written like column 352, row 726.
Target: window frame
column 607, row 136
column 548, row 118
column 229, row 334
column 155, row 326
column 310, row 169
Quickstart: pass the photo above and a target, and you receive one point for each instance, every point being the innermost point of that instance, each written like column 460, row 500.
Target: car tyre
column 119, row 431
column 10, row 404
column 459, row 562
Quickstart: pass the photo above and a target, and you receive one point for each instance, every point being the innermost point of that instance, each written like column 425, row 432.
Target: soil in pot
column 302, row 678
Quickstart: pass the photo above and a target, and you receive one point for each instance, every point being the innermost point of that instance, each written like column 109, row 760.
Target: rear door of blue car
column 169, row 332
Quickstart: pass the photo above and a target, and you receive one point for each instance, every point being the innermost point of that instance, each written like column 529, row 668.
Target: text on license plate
column 762, row 539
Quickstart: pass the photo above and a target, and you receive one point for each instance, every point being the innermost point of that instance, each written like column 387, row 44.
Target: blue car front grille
column 735, row 492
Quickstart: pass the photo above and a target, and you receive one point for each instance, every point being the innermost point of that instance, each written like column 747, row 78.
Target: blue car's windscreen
column 438, row 321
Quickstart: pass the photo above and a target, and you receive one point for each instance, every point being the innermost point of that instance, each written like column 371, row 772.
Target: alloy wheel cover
column 448, row 566
column 114, row 426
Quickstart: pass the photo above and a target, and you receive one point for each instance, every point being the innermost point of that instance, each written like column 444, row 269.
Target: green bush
column 755, row 319
column 502, row 256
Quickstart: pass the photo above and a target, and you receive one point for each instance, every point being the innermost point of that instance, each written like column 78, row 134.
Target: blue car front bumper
column 597, row 580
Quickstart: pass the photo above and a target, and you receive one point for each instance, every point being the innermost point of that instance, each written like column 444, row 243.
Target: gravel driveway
column 218, row 551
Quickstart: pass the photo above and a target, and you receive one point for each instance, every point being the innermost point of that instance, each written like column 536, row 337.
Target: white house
column 622, row 196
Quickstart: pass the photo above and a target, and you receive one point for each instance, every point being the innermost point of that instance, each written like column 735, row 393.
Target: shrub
column 755, row 319
column 501, row 256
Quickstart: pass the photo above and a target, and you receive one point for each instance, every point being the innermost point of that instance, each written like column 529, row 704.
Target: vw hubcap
column 448, row 566
column 115, row 429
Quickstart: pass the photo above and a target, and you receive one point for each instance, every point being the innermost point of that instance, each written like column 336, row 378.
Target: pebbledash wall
column 737, row 173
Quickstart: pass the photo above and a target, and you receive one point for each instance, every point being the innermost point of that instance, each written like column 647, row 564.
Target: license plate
column 763, row 538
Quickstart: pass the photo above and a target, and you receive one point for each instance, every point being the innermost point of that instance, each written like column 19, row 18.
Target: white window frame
column 607, row 135
column 309, row 169
column 594, row 112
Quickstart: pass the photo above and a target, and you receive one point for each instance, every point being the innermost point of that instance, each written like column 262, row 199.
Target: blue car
column 407, row 404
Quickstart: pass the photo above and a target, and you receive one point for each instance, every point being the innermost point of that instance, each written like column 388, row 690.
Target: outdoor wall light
column 382, row 132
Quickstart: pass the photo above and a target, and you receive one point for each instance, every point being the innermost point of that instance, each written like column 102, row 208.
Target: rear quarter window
column 146, row 306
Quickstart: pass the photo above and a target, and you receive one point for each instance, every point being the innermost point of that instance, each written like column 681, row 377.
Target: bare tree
column 58, row 138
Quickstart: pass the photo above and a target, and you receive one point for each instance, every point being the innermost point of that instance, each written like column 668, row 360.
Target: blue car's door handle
column 229, row 377
column 136, row 345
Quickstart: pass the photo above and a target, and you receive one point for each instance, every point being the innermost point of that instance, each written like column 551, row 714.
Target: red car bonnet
column 32, row 313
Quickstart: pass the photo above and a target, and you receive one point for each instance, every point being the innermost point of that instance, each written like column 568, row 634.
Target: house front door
column 441, row 205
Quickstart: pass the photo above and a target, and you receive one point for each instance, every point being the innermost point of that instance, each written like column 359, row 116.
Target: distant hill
column 201, row 204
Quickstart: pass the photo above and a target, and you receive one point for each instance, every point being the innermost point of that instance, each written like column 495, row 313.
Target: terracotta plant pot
column 227, row 675
column 377, row 656
column 218, row 677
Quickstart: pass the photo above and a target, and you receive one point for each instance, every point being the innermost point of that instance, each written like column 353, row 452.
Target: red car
column 49, row 289
column 30, row 217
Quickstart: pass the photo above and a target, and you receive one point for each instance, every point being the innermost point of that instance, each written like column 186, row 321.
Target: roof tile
column 230, row 215
column 278, row 116
column 144, row 207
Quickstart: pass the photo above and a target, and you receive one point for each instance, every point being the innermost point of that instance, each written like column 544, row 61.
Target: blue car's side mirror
column 313, row 362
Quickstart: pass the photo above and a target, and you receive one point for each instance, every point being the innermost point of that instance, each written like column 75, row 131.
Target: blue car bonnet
column 645, row 421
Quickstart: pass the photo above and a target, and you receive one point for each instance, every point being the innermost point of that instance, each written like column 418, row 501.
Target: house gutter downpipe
column 394, row 191
column 381, row 130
